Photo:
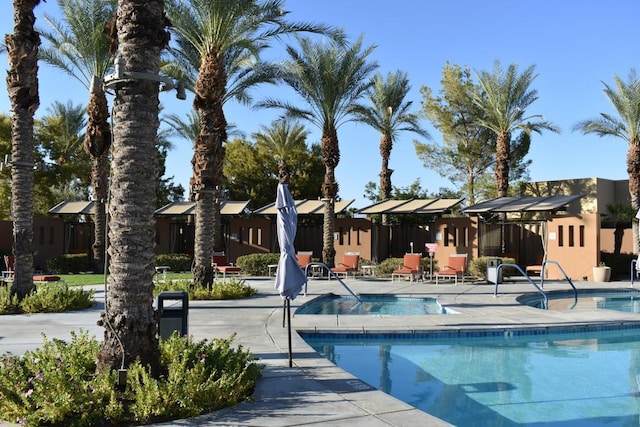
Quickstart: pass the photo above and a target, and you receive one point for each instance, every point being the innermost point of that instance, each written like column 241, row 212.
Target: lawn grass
column 98, row 279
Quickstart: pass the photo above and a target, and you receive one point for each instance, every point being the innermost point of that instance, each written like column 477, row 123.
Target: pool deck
column 314, row 391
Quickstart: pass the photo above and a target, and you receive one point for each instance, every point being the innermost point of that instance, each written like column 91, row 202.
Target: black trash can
column 492, row 270
column 172, row 317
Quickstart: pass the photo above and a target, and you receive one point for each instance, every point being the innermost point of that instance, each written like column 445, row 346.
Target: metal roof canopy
column 305, row 207
column 522, row 204
column 227, row 207
column 73, row 207
column 411, row 206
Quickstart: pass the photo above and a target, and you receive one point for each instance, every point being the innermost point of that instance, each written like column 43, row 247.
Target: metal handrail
column 544, row 264
column 517, row 267
column 331, row 273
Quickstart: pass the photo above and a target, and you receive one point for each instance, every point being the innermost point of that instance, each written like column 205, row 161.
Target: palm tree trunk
column 633, row 170
column 96, row 144
column 203, row 248
column 386, row 144
column 22, row 85
column 503, row 148
column 129, row 318
column 208, row 159
column 330, row 158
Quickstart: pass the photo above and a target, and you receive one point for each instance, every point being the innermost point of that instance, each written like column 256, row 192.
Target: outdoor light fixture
column 121, row 75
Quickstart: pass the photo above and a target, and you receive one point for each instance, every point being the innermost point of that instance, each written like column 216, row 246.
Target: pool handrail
column 517, row 267
column 544, row 264
column 331, row 274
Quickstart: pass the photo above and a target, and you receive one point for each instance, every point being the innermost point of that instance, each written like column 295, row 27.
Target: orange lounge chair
column 411, row 266
column 220, row 264
column 456, row 266
column 348, row 265
column 304, row 258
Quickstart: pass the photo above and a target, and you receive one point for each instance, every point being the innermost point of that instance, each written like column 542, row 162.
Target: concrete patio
column 314, row 391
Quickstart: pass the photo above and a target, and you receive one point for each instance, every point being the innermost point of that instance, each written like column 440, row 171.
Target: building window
column 560, row 235
column 571, row 236
column 581, row 236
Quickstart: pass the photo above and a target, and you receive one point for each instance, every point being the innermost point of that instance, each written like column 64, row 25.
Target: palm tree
column 389, row 114
column 128, row 317
column 625, row 97
column 220, row 41
column 80, row 47
column 22, row 85
column 330, row 78
column 283, row 140
column 503, row 100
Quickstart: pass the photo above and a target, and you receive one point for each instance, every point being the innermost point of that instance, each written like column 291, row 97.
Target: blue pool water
column 370, row 304
column 574, row 379
column 627, row 301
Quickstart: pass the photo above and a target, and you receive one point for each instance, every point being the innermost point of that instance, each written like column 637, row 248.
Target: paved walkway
column 314, row 391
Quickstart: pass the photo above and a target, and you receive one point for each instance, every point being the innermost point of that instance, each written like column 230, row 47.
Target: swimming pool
column 502, row 379
column 371, row 304
column 624, row 300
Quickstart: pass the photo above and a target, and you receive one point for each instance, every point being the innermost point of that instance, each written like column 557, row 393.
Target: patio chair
column 411, row 267
column 220, row 264
column 304, row 258
column 348, row 265
column 456, row 267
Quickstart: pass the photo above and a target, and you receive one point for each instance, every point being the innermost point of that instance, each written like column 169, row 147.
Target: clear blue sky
column 575, row 45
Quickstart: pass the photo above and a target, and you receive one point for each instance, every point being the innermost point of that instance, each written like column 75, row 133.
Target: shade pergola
column 305, row 207
column 411, row 206
column 227, row 207
column 73, row 207
column 522, row 204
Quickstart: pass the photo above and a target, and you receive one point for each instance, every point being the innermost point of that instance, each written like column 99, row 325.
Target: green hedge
column 69, row 264
column 478, row 267
column 257, row 264
column 175, row 262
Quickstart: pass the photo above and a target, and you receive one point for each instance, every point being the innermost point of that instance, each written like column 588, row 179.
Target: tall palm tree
column 625, row 97
column 220, row 41
column 503, row 100
column 330, row 78
column 282, row 140
column 128, row 317
column 22, row 85
column 80, row 47
column 389, row 114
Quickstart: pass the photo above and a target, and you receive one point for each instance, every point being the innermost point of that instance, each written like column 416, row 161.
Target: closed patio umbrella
column 289, row 276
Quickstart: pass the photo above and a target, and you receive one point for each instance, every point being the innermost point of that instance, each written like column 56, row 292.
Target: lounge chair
column 411, row 266
column 348, row 265
column 220, row 264
column 304, row 258
column 456, row 267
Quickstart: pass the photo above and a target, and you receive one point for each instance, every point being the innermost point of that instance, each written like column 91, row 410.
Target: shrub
column 478, row 267
column 175, row 262
column 69, row 264
column 48, row 298
column 58, row 384
column 222, row 289
column 257, row 264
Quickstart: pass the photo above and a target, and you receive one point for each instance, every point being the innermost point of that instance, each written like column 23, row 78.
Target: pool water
column 371, row 304
column 627, row 301
column 583, row 379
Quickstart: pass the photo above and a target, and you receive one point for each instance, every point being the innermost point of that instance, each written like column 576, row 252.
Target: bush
column 48, row 298
column 69, row 264
column 58, row 384
column 478, row 267
column 257, row 264
column 386, row 267
column 175, row 262
column 222, row 289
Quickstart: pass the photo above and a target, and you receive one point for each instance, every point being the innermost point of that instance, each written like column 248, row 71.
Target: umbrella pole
column 288, row 302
